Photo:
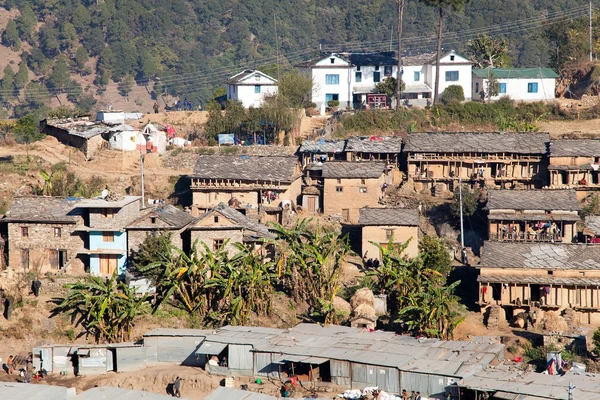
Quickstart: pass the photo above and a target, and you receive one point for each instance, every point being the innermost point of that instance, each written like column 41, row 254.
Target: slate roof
column 240, row 219
column 493, row 142
column 374, row 144
column 249, row 168
column 516, row 73
column 115, row 393
column 561, row 199
column 575, row 148
column 537, row 280
column 376, row 58
column 313, row 61
column 249, row 72
column 592, row 222
column 540, row 256
column 171, row 215
column 418, row 59
column 349, row 169
column 388, row 216
column 43, row 209
column 322, row 146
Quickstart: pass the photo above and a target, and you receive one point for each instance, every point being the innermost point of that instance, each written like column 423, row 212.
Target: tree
column 7, row 86
column 470, row 202
column 435, row 255
column 399, row 83
column 22, row 76
column 389, row 86
column 126, row 85
column 489, row 52
column 442, row 6
column 81, row 58
column 147, row 66
column 26, row 22
column 153, row 257
column 215, row 124
column 27, row 130
column 59, row 78
column 493, row 86
column 105, row 309
column 296, row 88
column 10, row 36
column 453, row 93
column 596, row 341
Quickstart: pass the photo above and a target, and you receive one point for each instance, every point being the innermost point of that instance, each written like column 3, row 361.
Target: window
column 257, row 89
column 108, row 236
column 152, row 220
column 107, row 213
column 358, row 67
column 257, row 77
column 363, row 181
column 339, row 181
column 332, row 79
column 217, row 244
column 477, row 87
column 451, row 76
column 416, row 76
column 389, row 233
column 451, row 58
column 332, row 60
column 332, row 96
column 550, row 272
column 358, row 77
column 376, row 76
column 25, row 258
column 502, row 88
column 532, row 87
column 57, row 232
column 339, row 189
column 362, row 189
column 25, row 231
column 387, row 70
column 216, row 219
column 377, row 68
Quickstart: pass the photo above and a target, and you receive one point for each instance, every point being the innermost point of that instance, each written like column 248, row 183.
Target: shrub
column 453, row 93
column 333, row 103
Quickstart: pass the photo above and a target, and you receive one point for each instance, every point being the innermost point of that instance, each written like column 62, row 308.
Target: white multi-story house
column 350, row 78
column 250, row 87
column 522, row 84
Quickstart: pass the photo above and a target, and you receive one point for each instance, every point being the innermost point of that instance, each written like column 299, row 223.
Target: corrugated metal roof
column 223, row 393
column 114, row 393
column 28, row 391
column 516, row 73
column 178, row 332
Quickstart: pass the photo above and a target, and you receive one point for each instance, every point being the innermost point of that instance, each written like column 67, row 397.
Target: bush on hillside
column 453, row 93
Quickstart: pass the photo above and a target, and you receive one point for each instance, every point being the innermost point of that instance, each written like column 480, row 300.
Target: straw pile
column 365, row 311
column 363, row 296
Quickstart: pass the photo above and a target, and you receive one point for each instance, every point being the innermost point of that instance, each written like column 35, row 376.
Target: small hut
column 363, row 316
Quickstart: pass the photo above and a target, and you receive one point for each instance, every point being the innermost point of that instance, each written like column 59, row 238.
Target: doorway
column 108, row 264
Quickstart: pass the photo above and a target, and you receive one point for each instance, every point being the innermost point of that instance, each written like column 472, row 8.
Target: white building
column 351, row 78
column 250, row 87
column 522, row 84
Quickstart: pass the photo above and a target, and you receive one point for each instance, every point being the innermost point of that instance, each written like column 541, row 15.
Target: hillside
column 126, row 53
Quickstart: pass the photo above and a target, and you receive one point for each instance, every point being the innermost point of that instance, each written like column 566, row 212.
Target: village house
column 575, row 163
column 491, row 159
column 520, row 84
column 379, row 226
column 258, row 186
column 351, row 78
column 82, row 134
column 591, row 230
column 355, row 148
column 533, row 215
column 349, row 186
column 561, row 277
column 157, row 219
column 104, row 232
column 43, row 235
column 114, row 117
column 250, row 87
column 225, row 226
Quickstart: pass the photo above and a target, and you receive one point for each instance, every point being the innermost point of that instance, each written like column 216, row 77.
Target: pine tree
column 26, row 22
column 59, row 77
column 81, row 58
column 22, row 76
column 10, row 37
column 7, row 86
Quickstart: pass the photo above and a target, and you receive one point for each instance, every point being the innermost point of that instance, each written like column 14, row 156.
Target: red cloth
column 170, row 131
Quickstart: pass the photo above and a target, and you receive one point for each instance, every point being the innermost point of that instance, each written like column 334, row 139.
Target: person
column 214, row 361
column 177, row 387
column 518, row 302
column 483, row 293
column 35, row 287
column 405, row 395
column 224, row 362
column 11, row 364
column 418, row 396
column 413, row 395
column 155, row 106
column 28, row 370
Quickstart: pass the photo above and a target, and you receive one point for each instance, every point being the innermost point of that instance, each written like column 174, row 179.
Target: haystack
column 554, row 322
column 363, row 296
column 365, row 311
column 341, row 306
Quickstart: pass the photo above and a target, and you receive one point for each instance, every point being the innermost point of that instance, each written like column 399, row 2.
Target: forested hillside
column 75, row 50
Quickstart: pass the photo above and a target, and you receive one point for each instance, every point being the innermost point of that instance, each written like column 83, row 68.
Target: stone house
column 491, row 159
column 379, row 225
column 82, row 134
column 544, row 276
column 104, row 232
column 533, row 215
column 575, row 163
column 223, row 223
column 349, row 186
column 258, row 186
column 43, row 235
column 591, row 230
column 157, row 219
column 355, row 148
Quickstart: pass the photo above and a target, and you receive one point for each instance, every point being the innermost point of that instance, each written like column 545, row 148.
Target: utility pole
column 591, row 47
column 462, row 228
column 571, row 387
column 399, row 73
column 142, row 171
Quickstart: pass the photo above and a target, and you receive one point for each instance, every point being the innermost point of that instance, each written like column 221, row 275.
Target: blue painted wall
column 96, row 243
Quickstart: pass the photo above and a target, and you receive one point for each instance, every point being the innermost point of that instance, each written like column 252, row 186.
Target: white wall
column 367, row 83
column 460, row 64
column 516, row 89
column 246, row 94
column 321, row 89
column 127, row 140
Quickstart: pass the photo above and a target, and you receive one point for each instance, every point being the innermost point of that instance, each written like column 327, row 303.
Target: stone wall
column 119, row 219
column 207, row 237
column 354, row 195
column 136, row 237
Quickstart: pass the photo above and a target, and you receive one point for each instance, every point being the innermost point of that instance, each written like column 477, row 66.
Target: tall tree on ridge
column 442, row 6
column 399, row 77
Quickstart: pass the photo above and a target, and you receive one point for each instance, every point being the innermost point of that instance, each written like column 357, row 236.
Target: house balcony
column 526, row 237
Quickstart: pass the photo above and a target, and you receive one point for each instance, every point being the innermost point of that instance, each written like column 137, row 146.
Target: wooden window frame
column 108, row 237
